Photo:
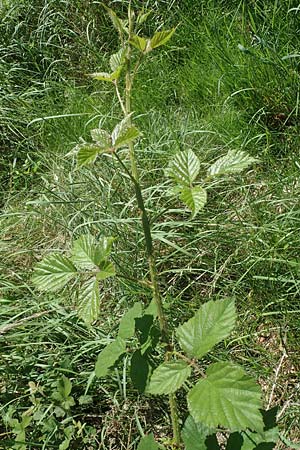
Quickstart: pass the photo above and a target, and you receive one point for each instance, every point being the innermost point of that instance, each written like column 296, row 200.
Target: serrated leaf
column 88, row 253
column 184, row 167
column 194, row 435
column 53, row 272
column 124, row 133
column 128, row 136
column 107, row 269
column 118, row 23
column 212, row 323
column 227, row 397
column 105, row 76
column 168, row 377
column 89, row 301
column 139, row 42
column 161, row 38
column 194, row 198
column 142, row 17
column 127, row 324
column 87, row 153
column 139, row 370
column 101, row 137
column 148, row 443
column 234, row 162
column 109, row 356
column 116, row 60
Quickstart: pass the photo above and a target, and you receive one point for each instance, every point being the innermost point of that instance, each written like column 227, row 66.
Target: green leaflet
column 161, row 38
column 227, row 397
column 212, row 323
column 127, row 324
column 184, row 168
column 148, row 443
column 124, row 133
column 87, row 153
column 234, row 162
column 53, row 272
column 194, row 197
column 89, row 301
column 195, row 435
column 109, row 356
column 168, row 377
column 88, row 253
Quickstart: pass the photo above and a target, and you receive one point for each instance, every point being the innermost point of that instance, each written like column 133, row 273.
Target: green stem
column 134, row 175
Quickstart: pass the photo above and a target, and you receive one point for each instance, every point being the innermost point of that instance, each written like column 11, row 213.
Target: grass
column 225, row 81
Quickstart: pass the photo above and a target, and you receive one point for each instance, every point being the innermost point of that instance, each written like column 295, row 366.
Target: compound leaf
column 194, row 197
column 234, row 162
column 124, row 133
column 161, row 38
column 109, row 356
column 89, row 301
column 53, row 272
column 127, row 324
column 212, row 323
column 168, row 377
column 184, row 167
column 227, row 397
column 148, row 443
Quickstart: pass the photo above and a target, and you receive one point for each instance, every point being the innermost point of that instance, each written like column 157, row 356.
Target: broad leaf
column 148, row 443
column 184, row 167
column 234, row 162
column 127, row 324
column 116, row 60
column 194, row 435
column 227, row 397
column 101, row 137
column 212, row 323
column 53, row 272
column 194, row 197
column 124, row 133
column 88, row 253
column 109, row 356
column 89, row 301
column 168, row 377
column 139, row 42
column 139, row 370
column 161, row 38
column 87, row 153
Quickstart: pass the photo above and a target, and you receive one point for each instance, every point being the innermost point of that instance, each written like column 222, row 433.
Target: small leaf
column 87, row 153
column 127, row 324
column 53, row 272
column 116, row 60
column 212, row 323
column 101, row 137
column 89, row 301
column 234, row 162
column 139, row 42
column 64, row 386
column 109, row 356
column 161, row 38
column 143, row 16
column 194, row 197
column 124, row 133
column 194, row 435
column 168, row 377
column 139, row 370
column 227, row 397
column 184, row 167
column 107, row 269
column 148, row 443
column 85, row 400
column 118, row 23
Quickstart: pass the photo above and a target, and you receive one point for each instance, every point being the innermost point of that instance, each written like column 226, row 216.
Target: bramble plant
column 224, row 398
